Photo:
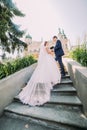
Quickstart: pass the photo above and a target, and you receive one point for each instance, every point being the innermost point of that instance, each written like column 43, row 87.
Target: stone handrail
column 78, row 74
column 11, row 85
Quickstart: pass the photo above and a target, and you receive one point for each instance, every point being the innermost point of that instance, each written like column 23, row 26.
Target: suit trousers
column 59, row 59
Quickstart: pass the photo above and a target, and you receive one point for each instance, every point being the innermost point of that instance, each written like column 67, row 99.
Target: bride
column 38, row 90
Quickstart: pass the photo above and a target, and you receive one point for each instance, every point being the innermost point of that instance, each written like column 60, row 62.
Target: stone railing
column 78, row 74
column 11, row 86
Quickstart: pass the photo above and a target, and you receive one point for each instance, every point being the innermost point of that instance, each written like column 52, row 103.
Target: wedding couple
column 46, row 75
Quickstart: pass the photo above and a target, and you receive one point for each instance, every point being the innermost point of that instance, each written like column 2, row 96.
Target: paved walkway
column 7, row 123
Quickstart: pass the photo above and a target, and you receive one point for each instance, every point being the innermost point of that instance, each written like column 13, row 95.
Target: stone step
column 68, row 90
column 49, row 116
column 63, row 85
column 69, row 100
column 66, row 81
column 71, row 103
column 66, row 76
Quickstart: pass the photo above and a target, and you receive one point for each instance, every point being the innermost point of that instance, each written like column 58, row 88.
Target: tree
column 9, row 32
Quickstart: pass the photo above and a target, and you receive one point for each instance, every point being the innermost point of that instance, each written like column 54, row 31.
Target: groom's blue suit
column 59, row 53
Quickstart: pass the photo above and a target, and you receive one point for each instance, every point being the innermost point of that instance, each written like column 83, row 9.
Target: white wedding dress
column 46, row 74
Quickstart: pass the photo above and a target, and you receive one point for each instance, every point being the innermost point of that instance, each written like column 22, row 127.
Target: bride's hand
column 48, row 50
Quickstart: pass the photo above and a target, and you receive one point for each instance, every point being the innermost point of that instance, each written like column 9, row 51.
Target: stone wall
column 78, row 75
column 11, row 86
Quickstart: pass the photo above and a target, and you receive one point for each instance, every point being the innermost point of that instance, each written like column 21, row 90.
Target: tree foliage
column 9, row 32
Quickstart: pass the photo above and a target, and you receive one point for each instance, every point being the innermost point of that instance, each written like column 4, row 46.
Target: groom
column 59, row 53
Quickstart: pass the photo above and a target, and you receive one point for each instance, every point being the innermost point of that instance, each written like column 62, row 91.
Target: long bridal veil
column 38, row 89
column 42, row 54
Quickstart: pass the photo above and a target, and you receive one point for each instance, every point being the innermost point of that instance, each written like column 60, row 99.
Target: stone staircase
column 62, row 112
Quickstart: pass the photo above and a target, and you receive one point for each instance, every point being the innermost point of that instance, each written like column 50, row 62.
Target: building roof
column 28, row 36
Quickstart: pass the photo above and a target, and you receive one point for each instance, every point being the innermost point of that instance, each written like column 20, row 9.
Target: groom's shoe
column 62, row 75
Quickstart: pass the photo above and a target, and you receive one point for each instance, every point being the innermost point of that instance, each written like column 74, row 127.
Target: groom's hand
column 52, row 48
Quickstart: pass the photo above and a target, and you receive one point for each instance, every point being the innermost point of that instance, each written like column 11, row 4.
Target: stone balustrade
column 78, row 75
column 11, row 85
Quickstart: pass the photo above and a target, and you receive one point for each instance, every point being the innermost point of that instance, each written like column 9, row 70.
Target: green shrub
column 16, row 65
column 80, row 54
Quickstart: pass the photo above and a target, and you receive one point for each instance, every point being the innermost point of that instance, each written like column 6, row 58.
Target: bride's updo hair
column 45, row 43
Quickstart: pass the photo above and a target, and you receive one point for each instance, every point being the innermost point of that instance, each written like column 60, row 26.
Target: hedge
column 16, row 65
column 80, row 54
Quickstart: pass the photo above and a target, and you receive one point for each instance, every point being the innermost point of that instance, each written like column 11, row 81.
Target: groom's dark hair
column 54, row 37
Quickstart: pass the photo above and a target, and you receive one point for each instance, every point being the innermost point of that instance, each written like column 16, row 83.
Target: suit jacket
column 58, row 49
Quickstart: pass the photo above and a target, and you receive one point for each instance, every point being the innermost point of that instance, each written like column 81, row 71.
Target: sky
column 44, row 17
